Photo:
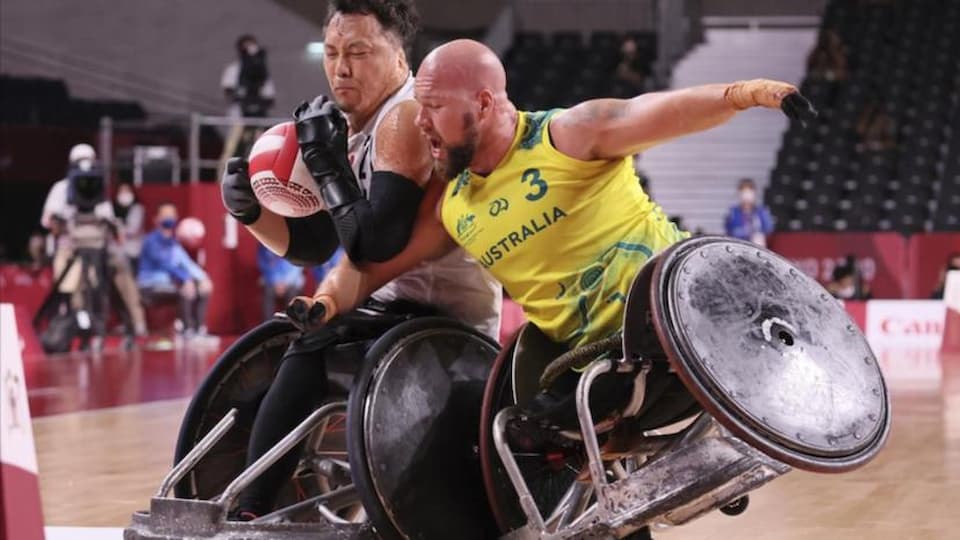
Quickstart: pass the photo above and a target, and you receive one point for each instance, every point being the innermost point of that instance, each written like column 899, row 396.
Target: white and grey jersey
column 455, row 283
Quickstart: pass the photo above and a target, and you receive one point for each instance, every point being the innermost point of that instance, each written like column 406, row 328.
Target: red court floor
column 72, row 382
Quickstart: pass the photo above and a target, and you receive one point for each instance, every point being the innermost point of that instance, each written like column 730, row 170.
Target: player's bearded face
column 457, row 157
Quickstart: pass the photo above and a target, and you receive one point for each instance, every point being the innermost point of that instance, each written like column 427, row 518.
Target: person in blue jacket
column 749, row 220
column 166, row 268
column 282, row 280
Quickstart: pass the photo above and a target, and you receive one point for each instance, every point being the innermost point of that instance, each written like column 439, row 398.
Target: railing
column 196, row 163
column 197, row 121
column 756, row 22
column 500, row 34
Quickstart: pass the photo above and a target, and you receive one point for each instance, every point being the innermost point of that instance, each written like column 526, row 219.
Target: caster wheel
column 736, row 507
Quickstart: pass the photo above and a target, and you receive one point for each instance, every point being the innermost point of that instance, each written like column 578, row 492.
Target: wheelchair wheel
column 550, row 474
column 240, row 379
column 412, row 434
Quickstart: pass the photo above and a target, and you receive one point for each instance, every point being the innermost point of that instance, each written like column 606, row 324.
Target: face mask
column 748, row 196
column 125, row 198
column 168, row 223
column 846, row 292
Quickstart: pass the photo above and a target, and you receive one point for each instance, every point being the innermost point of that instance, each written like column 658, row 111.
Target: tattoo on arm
column 598, row 109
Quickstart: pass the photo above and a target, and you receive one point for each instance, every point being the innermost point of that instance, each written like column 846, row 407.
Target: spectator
column 876, row 129
column 130, row 216
column 59, row 215
column 166, row 268
column 282, row 280
column 632, row 68
column 953, row 263
column 749, row 220
column 847, row 283
column 828, row 60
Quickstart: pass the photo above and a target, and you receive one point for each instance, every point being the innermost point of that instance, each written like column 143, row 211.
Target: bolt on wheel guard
column 784, row 375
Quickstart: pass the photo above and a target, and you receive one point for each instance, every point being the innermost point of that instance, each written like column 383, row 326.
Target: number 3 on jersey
column 538, row 184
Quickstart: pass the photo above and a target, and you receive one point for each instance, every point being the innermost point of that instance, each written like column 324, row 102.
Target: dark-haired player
column 372, row 164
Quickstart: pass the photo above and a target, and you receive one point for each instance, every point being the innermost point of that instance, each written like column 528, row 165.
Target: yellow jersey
column 564, row 236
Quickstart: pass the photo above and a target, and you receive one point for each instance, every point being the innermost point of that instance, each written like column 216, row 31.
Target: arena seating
column 47, row 102
column 563, row 68
column 901, row 58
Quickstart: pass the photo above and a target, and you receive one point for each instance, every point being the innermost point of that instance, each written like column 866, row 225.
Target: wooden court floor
column 98, row 466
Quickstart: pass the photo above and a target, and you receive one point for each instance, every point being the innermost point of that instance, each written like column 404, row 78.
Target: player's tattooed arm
column 614, row 128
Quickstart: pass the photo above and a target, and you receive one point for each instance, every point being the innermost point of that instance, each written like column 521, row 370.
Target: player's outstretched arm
column 348, row 285
column 614, row 128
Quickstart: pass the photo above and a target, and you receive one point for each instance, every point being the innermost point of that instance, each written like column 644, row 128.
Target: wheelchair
column 337, row 491
column 731, row 369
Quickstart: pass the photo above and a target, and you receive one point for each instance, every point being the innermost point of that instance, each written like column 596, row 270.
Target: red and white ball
column 190, row 232
column 280, row 180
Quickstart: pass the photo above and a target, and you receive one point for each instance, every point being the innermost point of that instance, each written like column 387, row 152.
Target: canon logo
column 911, row 327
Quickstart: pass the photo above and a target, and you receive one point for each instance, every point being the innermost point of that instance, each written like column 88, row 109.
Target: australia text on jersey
column 518, row 236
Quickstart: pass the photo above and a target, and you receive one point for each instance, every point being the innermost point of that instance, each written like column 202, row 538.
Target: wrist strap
column 738, row 96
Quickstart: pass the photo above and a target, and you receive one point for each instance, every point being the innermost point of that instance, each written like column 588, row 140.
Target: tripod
column 90, row 301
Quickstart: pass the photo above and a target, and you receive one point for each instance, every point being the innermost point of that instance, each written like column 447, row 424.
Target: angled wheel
column 240, row 379
column 412, row 428
column 770, row 354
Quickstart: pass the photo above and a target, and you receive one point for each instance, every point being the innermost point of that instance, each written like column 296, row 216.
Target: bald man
column 548, row 201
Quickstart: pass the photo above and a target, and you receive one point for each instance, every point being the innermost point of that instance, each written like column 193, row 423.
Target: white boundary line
column 83, row 533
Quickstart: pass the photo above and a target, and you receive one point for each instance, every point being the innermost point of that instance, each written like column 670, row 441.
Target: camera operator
column 84, row 236
column 247, row 86
column 246, row 81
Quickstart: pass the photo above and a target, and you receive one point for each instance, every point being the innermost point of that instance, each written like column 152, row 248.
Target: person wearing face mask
column 847, row 283
column 749, row 220
column 166, row 269
column 130, row 216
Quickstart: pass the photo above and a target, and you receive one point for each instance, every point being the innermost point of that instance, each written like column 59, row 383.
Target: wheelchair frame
column 662, row 480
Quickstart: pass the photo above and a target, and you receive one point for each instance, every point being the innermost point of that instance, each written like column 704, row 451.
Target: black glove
column 306, row 313
column 322, row 135
column 237, row 193
column 797, row 107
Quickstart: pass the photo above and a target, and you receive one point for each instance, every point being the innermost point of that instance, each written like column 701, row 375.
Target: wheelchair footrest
column 170, row 519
